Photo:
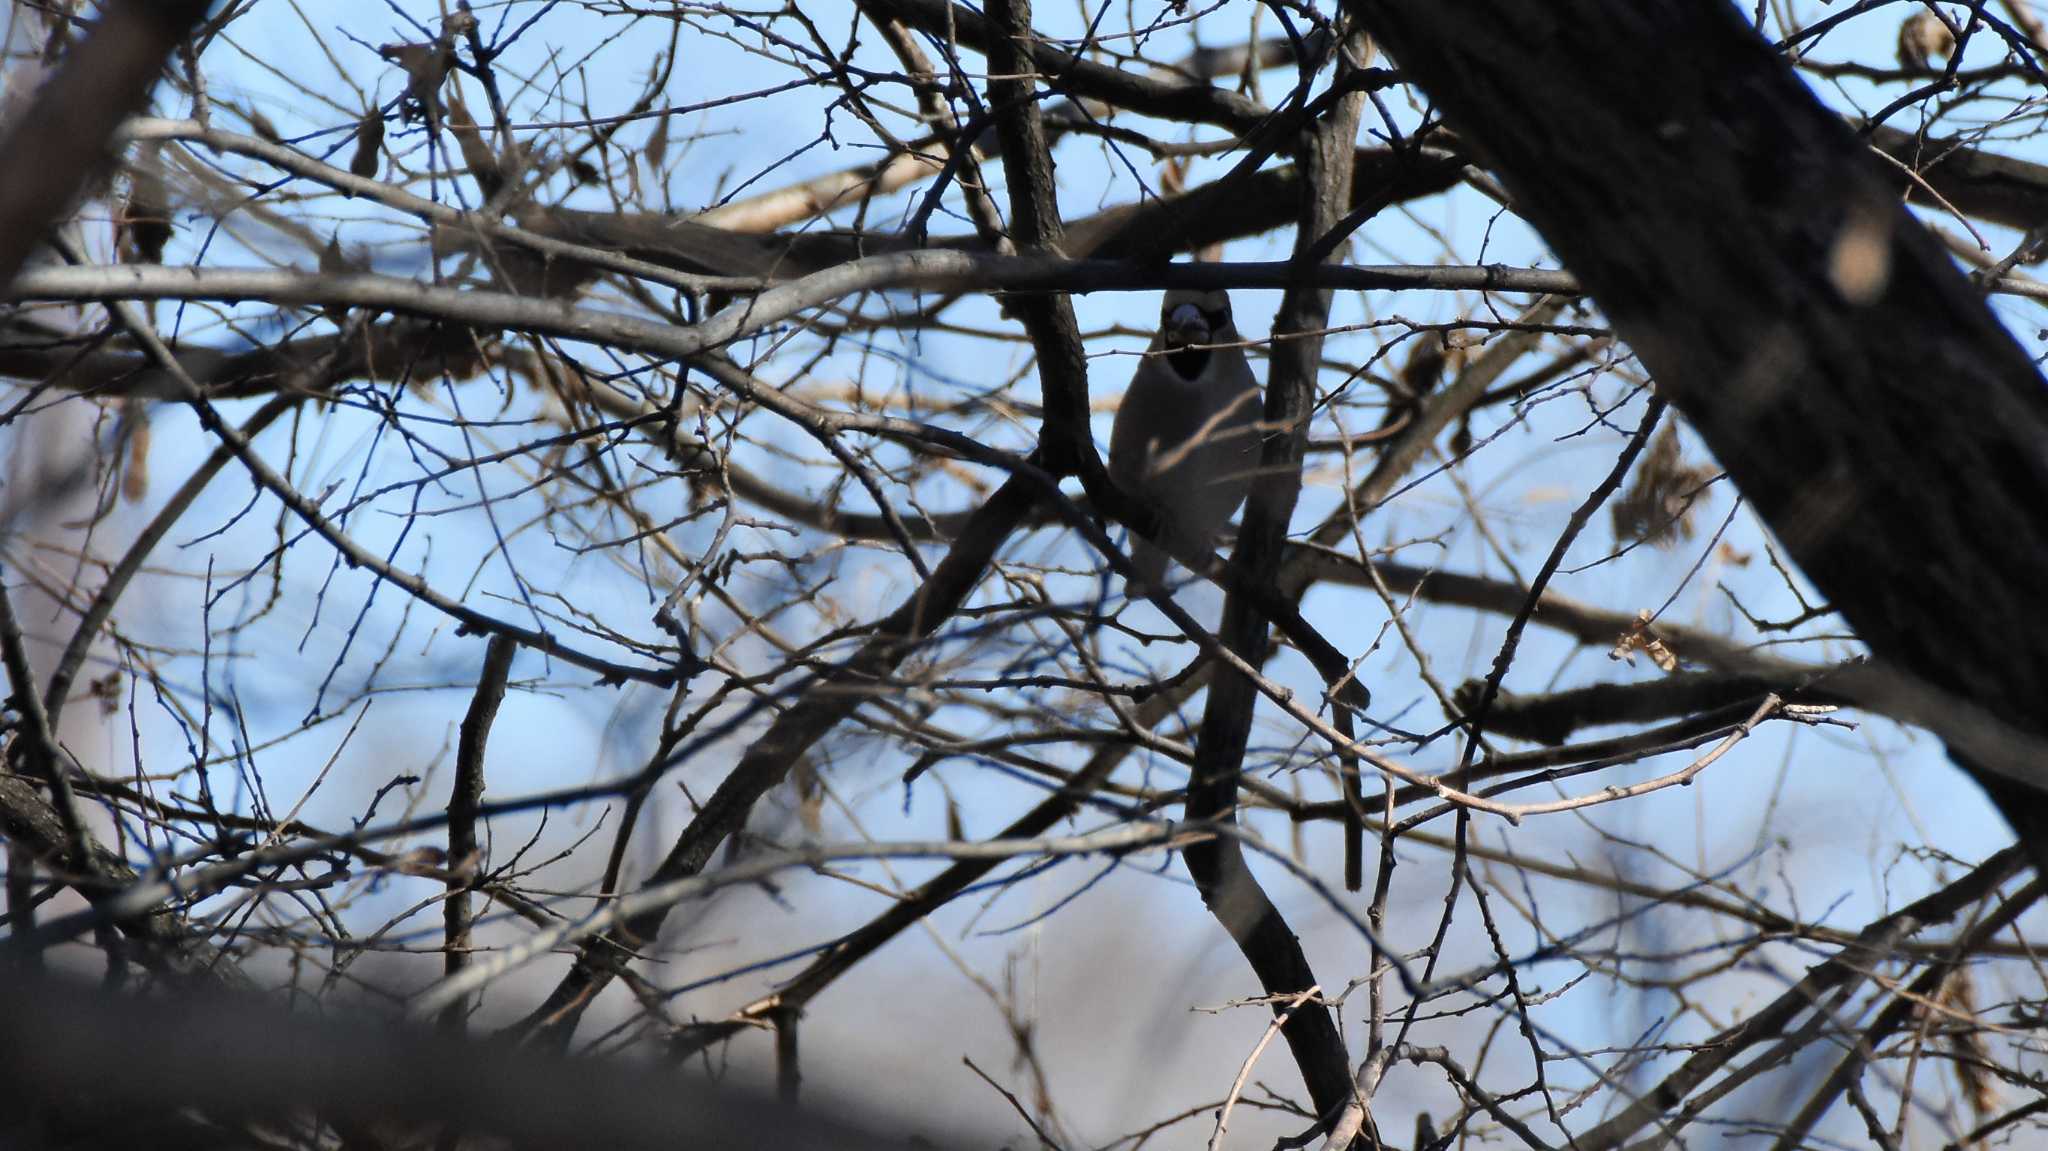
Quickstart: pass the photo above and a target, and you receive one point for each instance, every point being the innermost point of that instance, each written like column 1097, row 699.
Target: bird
column 1186, row 434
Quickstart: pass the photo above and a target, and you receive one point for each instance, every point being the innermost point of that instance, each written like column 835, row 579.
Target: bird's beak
column 1186, row 325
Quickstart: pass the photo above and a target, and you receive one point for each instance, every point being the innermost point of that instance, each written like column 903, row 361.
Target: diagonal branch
column 1847, row 968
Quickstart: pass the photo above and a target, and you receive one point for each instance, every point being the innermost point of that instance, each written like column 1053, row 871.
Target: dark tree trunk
column 1850, row 379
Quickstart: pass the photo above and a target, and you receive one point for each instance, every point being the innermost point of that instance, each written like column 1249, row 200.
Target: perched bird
column 1186, row 439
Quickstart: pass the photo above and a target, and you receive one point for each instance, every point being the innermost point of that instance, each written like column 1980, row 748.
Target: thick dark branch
column 1064, row 442
column 1974, row 181
column 1756, row 257
column 1553, row 717
column 1260, row 202
column 58, row 140
column 1218, row 867
column 121, row 1071
column 558, row 248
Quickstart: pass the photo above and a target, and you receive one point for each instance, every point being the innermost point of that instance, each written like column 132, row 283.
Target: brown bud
column 264, row 129
column 483, row 164
column 657, row 143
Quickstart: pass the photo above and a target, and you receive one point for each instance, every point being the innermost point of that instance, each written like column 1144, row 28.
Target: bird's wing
column 1147, row 422
column 1228, row 447
column 1148, row 403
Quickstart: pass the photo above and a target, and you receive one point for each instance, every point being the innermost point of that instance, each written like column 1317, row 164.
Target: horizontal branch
column 1552, row 717
column 919, row 270
column 1078, row 76
column 720, row 250
column 299, row 164
column 937, row 271
column 1975, row 181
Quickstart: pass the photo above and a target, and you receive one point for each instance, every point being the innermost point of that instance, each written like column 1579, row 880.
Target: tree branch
column 1795, row 319
column 53, row 143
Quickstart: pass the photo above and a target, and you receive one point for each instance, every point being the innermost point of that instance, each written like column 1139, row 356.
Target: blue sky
column 1816, row 813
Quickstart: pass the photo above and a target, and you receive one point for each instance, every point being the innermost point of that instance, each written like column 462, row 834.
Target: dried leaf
column 656, row 149
column 810, row 795
column 1922, row 38
column 425, row 67
column 1967, row 1042
column 1173, row 176
column 106, row 690
column 332, row 260
column 1658, row 505
column 1640, row 638
column 369, row 154
column 1424, row 367
column 427, row 861
column 476, row 153
column 1660, row 655
column 135, row 474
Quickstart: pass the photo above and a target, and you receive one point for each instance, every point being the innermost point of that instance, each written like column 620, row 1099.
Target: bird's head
column 1188, row 321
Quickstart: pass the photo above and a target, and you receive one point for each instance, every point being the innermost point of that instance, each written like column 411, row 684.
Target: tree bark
column 54, row 143
column 1749, row 248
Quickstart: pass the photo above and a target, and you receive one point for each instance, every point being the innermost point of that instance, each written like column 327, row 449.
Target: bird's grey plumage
column 1186, row 437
